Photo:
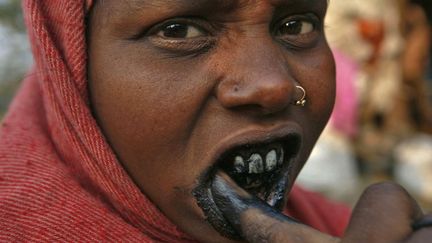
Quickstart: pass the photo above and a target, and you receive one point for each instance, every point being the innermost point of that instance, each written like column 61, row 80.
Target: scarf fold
column 57, row 35
column 59, row 178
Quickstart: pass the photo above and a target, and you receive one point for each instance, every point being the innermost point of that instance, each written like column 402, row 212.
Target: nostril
column 236, row 88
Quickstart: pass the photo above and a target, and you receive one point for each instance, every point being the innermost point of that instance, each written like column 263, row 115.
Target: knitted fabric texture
column 59, row 179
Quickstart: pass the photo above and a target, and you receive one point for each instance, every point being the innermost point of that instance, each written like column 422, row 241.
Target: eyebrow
column 214, row 5
column 142, row 4
column 139, row 4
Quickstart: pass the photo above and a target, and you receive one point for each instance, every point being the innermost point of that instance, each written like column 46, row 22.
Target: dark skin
column 384, row 213
column 175, row 83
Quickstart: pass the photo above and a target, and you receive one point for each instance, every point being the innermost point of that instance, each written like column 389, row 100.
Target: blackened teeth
column 258, row 168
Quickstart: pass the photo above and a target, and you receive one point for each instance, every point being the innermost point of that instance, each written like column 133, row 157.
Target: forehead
column 147, row 3
column 139, row 5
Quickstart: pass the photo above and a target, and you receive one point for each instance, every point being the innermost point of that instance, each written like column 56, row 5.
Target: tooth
column 271, row 160
column 252, row 183
column 239, row 165
column 258, row 182
column 281, row 158
column 255, row 164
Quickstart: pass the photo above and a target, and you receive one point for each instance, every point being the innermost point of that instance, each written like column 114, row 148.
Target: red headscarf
column 59, row 179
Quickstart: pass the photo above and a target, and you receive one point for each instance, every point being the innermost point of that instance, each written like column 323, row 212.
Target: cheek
column 319, row 76
column 322, row 85
column 145, row 96
column 145, row 112
column 322, row 91
column 318, row 79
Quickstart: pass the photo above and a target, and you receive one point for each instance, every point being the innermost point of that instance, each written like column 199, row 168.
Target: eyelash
column 302, row 40
column 205, row 38
column 197, row 23
column 182, row 46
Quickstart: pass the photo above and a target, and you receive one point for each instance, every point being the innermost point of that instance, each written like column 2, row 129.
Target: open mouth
column 257, row 168
column 262, row 169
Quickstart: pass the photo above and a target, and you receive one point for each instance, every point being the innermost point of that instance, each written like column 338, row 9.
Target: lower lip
column 204, row 198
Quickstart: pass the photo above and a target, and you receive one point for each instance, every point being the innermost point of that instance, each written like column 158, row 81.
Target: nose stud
column 302, row 100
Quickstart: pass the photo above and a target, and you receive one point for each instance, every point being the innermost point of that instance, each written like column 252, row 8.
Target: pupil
column 291, row 28
column 176, row 31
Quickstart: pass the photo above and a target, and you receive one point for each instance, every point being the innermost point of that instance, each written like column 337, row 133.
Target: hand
column 384, row 213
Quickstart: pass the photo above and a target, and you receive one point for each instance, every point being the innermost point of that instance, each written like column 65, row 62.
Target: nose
column 257, row 77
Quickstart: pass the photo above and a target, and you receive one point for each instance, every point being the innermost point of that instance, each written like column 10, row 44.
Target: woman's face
column 183, row 89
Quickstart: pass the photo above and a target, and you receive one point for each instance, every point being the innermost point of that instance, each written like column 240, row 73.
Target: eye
column 182, row 36
column 296, row 27
column 180, row 31
column 299, row 31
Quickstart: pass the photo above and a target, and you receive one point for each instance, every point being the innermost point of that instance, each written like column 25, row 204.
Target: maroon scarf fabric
column 59, row 179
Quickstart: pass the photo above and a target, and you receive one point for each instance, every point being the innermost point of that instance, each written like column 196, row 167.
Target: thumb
column 384, row 213
column 255, row 220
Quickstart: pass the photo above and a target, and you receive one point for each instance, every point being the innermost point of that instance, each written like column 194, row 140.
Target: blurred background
column 15, row 56
column 381, row 127
column 382, row 122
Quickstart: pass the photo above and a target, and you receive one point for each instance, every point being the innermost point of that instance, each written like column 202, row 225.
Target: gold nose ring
column 302, row 100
